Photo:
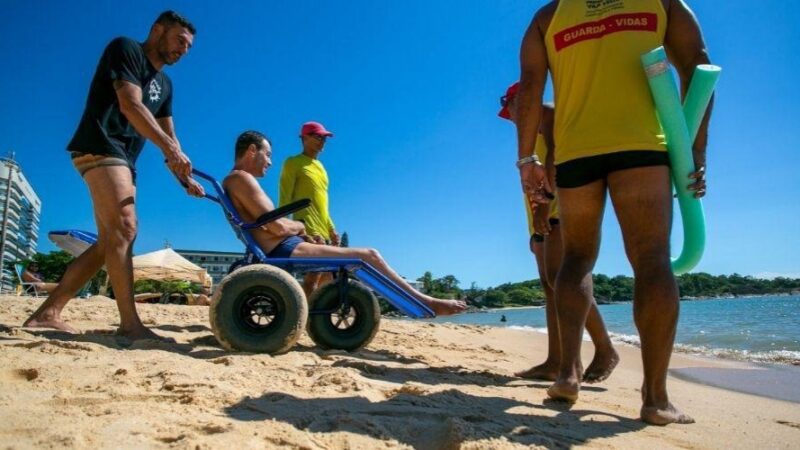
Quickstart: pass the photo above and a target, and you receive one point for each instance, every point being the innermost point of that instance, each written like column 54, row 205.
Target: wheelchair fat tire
column 258, row 309
column 344, row 330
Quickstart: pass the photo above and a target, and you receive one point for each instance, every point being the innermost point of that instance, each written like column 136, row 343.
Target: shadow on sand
column 444, row 419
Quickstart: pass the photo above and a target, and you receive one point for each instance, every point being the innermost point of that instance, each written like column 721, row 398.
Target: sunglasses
column 319, row 137
column 504, row 101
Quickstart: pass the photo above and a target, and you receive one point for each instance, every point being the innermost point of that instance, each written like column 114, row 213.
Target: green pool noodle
column 699, row 96
column 680, row 124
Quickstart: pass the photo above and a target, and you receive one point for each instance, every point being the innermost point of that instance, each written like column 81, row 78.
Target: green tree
column 472, row 294
column 427, row 282
column 522, row 296
column 53, row 265
column 495, row 298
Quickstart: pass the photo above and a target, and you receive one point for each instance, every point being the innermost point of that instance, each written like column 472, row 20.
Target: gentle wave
column 542, row 330
column 527, row 328
column 775, row 356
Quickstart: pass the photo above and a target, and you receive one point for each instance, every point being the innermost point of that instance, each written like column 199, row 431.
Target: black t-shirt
column 103, row 129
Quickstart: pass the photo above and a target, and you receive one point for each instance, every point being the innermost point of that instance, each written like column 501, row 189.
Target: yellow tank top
column 541, row 151
column 603, row 101
column 303, row 177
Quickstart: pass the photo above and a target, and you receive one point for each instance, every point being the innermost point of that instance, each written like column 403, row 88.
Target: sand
column 418, row 385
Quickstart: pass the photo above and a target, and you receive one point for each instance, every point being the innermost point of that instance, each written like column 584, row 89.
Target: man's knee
column 371, row 255
column 651, row 262
column 124, row 229
column 576, row 264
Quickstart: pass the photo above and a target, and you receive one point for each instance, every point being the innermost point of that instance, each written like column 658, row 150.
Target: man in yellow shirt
column 304, row 176
column 610, row 141
column 545, row 244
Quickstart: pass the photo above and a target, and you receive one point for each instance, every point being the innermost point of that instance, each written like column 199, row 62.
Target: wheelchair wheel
column 237, row 264
column 343, row 328
column 259, row 309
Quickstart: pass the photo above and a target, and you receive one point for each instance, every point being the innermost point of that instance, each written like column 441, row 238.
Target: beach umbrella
column 165, row 264
column 73, row 242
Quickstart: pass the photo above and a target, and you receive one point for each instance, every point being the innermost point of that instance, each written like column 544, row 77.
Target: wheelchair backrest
column 232, row 216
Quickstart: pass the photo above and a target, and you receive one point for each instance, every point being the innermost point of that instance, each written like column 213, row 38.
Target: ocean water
column 759, row 329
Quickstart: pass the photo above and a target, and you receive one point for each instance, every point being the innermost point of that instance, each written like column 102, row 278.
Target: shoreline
column 764, row 379
column 777, row 357
column 419, row 384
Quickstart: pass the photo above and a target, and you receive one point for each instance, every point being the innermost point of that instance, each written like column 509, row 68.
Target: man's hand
column 301, row 227
column 179, row 163
column 193, row 188
column 535, row 184
column 699, row 185
column 315, row 239
column 336, row 241
column 541, row 220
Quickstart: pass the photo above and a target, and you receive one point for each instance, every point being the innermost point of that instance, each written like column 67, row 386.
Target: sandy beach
column 418, row 385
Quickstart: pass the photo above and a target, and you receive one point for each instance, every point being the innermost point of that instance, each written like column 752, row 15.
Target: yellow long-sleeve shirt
column 303, row 177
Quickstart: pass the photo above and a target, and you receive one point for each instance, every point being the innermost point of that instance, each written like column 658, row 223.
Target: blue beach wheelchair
column 260, row 307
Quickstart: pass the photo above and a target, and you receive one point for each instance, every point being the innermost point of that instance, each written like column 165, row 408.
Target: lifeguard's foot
column 655, row 415
column 446, row 307
column 48, row 318
column 138, row 333
column 565, row 390
column 547, row 371
column 601, row 367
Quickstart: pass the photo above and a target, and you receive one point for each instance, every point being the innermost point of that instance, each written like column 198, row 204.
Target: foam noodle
column 680, row 125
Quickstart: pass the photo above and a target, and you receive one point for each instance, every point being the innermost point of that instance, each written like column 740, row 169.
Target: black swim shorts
column 582, row 171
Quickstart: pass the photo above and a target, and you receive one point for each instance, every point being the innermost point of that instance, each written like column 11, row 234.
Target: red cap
column 511, row 92
column 314, row 128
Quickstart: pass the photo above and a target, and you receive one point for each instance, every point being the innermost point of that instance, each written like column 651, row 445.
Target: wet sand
column 780, row 382
column 418, row 385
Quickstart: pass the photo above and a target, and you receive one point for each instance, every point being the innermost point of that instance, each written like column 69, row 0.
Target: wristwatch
column 528, row 160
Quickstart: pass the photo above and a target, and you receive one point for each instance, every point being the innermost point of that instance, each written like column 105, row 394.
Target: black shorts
column 582, row 171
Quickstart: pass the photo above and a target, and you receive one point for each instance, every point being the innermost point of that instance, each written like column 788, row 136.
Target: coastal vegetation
column 525, row 293
column 610, row 289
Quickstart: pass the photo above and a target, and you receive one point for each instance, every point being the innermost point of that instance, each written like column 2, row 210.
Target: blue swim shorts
column 286, row 247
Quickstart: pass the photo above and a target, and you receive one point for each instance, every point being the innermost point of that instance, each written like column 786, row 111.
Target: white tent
column 167, row 265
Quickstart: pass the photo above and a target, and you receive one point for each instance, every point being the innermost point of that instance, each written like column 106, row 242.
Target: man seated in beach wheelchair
column 260, row 307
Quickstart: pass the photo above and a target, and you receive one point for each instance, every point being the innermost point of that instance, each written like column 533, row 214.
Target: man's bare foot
column 447, row 307
column 564, row 390
column 48, row 318
column 601, row 367
column 138, row 333
column 664, row 416
column 547, row 371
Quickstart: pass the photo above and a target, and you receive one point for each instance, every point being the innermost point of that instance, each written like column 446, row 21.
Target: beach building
column 216, row 263
column 20, row 209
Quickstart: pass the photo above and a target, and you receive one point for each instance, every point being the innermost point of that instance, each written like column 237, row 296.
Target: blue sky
column 421, row 167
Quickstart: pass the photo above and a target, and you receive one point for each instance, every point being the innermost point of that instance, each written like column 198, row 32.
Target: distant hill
column 610, row 289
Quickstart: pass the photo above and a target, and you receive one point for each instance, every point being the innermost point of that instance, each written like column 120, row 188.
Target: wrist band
column 527, row 160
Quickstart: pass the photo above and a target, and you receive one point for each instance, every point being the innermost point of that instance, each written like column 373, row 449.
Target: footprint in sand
column 21, row 375
column 211, row 428
column 225, row 360
column 408, row 389
column 489, row 349
column 53, row 347
column 342, row 382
